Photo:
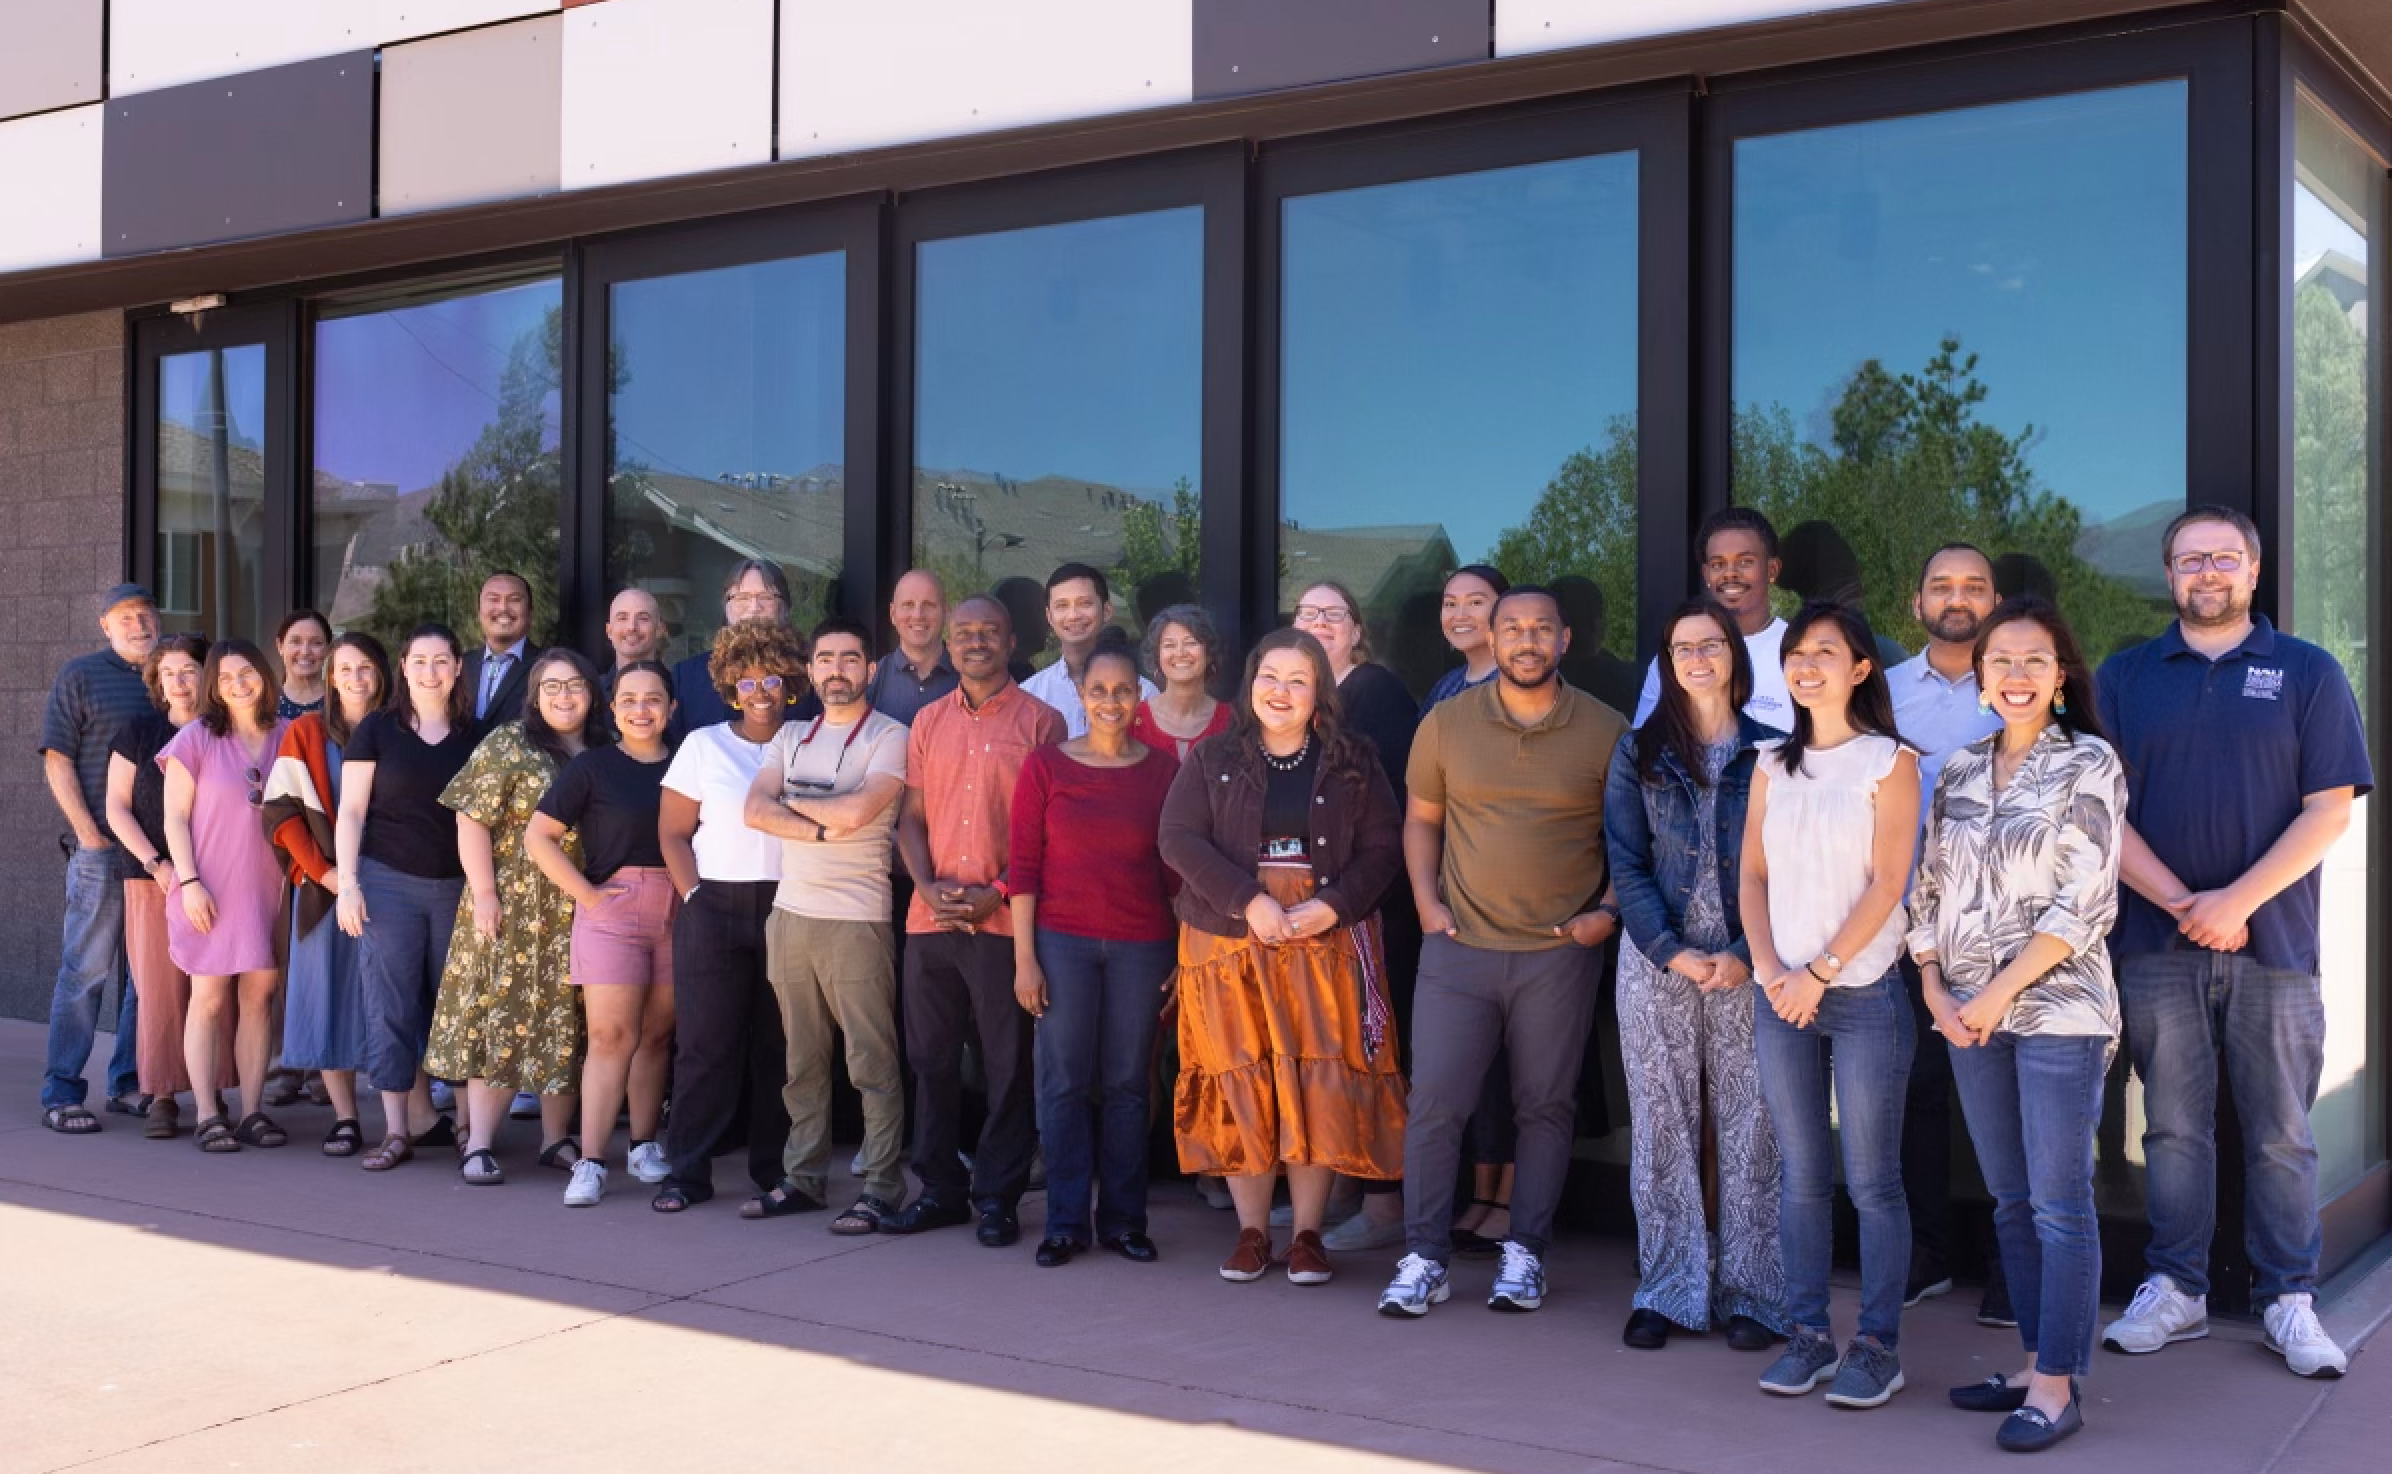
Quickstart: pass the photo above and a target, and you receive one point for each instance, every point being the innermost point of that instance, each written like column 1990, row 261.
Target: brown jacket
column 1212, row 834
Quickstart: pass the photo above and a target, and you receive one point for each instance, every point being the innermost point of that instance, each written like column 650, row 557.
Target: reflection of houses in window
column 361, row 527
column 1001, row 528
column 211, row 521
column 702, row 528
column 2344, row 278
column 1396, row 571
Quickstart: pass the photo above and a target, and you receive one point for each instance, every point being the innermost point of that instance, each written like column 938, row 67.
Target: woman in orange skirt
column 1285, row 833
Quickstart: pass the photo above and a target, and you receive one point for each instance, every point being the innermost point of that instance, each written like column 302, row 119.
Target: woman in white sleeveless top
column 1827, row 848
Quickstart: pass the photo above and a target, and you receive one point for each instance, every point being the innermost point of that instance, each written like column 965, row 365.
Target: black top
column 287, row 710
column 1376, row 705
column 405, row 826
column 611, row 799
column 1287, row 807
column 139, row 742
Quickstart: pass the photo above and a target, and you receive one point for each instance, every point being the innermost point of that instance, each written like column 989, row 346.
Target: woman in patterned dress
column 2017, row 889
column 1674, row 819
column 507, row 1020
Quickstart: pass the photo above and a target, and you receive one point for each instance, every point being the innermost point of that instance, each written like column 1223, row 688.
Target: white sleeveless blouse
column 1820, row 838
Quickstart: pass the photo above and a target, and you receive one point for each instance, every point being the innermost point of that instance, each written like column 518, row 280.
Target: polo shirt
column 1770, row 705
column 1524, row 848
column 965, row 764
column 1053, row 686
column 847, row 878
column 899, row 692
column 95, row 697
column 1936, row 716
column 2219, row 755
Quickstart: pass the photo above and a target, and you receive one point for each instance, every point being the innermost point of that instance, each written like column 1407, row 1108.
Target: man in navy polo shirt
column 2245, row 752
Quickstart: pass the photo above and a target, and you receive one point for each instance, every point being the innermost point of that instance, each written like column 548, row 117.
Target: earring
column 1985, row 701
column 2059, row 703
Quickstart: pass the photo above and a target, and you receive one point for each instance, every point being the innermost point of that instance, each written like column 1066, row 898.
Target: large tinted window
column 436, row 454
column 212, row 492
column 1458, row 360
column 726, row 436
column 1969, row 325
column 1058, row 406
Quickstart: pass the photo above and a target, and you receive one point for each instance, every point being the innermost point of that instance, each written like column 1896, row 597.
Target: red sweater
column 1084, row 843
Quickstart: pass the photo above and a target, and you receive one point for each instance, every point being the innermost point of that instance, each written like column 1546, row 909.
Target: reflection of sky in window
column 402, row 393
column 2048, row 235
column 185, row 394
column 1067, row 350
column 1447, row 343
column 2317, row 229
column 734, row 371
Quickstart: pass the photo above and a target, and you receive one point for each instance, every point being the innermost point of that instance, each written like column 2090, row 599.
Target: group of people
column 1378, row 930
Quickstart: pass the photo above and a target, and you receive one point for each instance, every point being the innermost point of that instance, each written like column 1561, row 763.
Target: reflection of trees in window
column 2329, row 462
column 977, row 529
column 1583, row 530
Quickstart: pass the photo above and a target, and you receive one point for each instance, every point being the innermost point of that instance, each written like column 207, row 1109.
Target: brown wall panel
column 50, row 54
column 1247, row 46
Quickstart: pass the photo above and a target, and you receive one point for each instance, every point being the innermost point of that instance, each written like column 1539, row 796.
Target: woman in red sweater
column 1093, row 949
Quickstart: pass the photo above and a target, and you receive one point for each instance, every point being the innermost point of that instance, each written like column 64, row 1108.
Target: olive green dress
column 506, row 1014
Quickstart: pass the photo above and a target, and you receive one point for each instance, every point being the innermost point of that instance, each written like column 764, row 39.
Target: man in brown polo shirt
column 962, row 760
column 1503, row 839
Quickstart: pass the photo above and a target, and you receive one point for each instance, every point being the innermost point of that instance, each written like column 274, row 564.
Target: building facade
column 346, row 303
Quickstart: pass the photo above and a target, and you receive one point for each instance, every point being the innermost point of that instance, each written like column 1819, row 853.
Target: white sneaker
column 1419, row 1283
column 588, row 1184
column 647, row 1162
column 2159, row 1314
column 2293, row 1332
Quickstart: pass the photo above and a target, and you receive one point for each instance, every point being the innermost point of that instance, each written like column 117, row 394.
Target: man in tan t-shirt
column 1503, row 838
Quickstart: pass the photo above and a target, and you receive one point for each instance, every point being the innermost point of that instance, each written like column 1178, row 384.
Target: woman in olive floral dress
column 507, row 1020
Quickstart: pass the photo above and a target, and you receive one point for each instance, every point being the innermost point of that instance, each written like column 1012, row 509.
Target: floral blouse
column 2039, row 856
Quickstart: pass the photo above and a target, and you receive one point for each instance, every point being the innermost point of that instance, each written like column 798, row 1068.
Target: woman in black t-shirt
column 396, row 852
column 623, row 909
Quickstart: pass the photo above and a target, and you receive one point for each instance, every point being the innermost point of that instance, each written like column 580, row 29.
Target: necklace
column 1293, row 760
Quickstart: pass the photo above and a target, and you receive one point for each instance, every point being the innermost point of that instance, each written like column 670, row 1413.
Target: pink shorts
column 629, row 940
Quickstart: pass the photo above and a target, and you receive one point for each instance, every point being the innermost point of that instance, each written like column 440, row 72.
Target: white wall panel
column 473, row 116
column 50, row 188
column 1523, row 26
column 660, row 87
column 164, row 43
column 896, row 71
column 403, row 20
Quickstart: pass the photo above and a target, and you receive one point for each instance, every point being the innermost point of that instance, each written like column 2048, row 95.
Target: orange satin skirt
column 1274, row 1067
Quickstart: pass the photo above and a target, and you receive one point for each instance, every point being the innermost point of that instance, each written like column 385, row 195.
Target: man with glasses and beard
column 1736, row 553
column 1937, row 708
column 2246, row 754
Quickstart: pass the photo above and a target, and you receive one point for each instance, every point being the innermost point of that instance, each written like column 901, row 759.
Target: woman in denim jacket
column 1674, row 819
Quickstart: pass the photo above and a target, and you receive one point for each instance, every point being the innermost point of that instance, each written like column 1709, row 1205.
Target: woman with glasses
column 323, row 1020
column 1673, row 816
column 756, row 589
column 508, row 1020
column 2017, row 891
column 1183, row 653
column 399, row 879
column 228, row 888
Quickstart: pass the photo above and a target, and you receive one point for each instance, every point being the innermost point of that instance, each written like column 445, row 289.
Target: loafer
column 1993, row 1395
column 924, row 1214
column 2028, row 1431
column 1648, row 1330
column 1135, row 1247
column 1055, row 1253
column 998, row 1227
column 1747, row 1334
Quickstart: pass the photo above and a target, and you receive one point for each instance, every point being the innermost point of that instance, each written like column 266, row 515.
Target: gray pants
column 1472, row 1002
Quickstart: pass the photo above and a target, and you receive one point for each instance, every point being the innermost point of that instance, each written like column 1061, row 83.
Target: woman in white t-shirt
column 728, row 1041
column 1828, row 842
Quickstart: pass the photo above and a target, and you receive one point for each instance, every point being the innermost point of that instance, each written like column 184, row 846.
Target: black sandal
column 862, row 1218
column 70, row 1120
column 784, row 1200
column 675, row 1197
column 1470, row 1244
column 258, row 1129
column 344, row 1139
column 553, row 1154
column 215, row 1134
column 442, row 1132
column 490, row 1174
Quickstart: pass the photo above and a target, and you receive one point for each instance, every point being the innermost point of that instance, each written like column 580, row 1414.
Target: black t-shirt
column 139, row 742
column 1287, row 807
column 611, row 798
column 405, row 826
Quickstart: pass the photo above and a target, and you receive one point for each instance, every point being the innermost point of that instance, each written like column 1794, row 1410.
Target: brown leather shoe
column 1250, row 1258
column 1307, row 1261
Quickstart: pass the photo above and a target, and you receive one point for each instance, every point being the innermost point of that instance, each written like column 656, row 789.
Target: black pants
column 960, row 984
column 1927, row 1148
column 727, row 1048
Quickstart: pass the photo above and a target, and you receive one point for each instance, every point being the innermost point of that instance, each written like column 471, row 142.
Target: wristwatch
column 1834, row 963
column 1610, row 909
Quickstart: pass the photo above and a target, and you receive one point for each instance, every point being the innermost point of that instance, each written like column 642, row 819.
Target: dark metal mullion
column 1226, row 509
column 1666, row 281
column 862, row 551
column 582, row 469
column 2272, row 358
column 279, row 561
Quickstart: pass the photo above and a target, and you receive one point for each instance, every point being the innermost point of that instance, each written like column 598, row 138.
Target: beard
column 837, row 691
column 1956, row 626
column 2213, row 608
column 1545, row 675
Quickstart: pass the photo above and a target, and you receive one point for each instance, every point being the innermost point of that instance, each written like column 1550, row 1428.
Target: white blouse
column 1819, row 835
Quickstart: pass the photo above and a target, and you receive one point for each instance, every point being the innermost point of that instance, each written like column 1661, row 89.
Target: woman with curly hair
column 1183, row 652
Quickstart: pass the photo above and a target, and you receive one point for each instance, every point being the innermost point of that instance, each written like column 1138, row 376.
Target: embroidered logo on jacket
column 2263, row 683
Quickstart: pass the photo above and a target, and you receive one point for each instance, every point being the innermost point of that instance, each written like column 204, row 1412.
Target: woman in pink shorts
column 623, row 908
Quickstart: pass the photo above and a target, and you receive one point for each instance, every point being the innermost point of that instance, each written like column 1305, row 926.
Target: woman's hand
column 1311, row 918
column 331, row 883
column 1267, row 920
column 162, row 876
column 1029, row 987
column 1982, row 1015
column 485, row 914
column 1727, row 971
column 1795, row 996
column 350, row 912
column 1945, row 1012
column 1695, row 967
column 199, row 908
column 595, row 897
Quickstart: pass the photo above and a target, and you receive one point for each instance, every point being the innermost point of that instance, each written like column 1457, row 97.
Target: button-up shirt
column 1936, row 716
column 497, row 665
column 964, row 762
column 899, row 692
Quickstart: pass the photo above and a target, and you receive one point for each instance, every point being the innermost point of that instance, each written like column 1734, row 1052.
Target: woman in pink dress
column 228, row 888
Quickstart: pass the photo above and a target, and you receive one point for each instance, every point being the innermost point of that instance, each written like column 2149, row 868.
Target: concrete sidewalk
column 166, row 1310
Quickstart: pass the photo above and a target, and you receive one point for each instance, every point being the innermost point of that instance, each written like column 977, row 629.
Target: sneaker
column 1520, row 1283
column 648, row 1163
column 1307, row 1264
column 1359, row 1235
column 2159, row 1314
column 526, row 1106
column 1418, row 1284
column 2294, row 1334
column 1870, row 1376
column 1248, row 1261
column 1994, row 1309
column 588, row 1184
column 1925, row 1287
column 1808, row 1360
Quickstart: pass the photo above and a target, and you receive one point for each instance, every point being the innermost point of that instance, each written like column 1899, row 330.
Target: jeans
column 409, row 921
column 1095, row 1056
column 90, row 954
column 1861, row 1042
column 2032, row 1105
column 2181, row 1007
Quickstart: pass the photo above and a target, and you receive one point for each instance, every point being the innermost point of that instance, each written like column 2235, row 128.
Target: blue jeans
column 90, row 954
column 1094, row 1055
column 1862, row 1042
column 409, row 921
column 2181, row 1008
column 2032, row 1105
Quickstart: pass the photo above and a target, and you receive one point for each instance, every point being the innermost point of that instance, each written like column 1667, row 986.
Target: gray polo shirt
column 95, row 697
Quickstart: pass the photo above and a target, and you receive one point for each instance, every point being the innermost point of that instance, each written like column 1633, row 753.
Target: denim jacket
column 1654, row 849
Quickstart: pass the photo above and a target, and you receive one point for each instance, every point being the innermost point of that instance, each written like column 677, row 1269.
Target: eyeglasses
column 750, row 685
column 574, row 687
column 1332, row 615
column 1710, row 649
column 2033, row 667
column 753, row 601
column 2228, row 560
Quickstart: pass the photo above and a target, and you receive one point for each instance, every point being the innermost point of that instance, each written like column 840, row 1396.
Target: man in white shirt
column 1079, row 604
column 1737, row 554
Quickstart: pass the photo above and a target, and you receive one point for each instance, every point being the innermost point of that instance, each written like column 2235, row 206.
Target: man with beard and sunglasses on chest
column 1737, row 557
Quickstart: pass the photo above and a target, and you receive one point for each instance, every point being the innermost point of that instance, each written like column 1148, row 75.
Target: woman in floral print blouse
column 2017, row 890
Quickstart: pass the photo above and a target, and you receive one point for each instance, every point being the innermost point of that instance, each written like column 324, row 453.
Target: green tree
column 1584, row 525
column 1153, row 541
column 2329, row 476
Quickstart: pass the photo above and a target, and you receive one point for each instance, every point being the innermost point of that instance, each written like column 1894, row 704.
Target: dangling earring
column 2059, row 703
column 1985, row 702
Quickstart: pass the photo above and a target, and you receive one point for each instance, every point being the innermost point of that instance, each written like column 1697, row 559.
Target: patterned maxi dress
column 1682, row 1049
column 506, row 1015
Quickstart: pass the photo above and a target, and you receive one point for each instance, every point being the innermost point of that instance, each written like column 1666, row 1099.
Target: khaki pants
column 839, row 975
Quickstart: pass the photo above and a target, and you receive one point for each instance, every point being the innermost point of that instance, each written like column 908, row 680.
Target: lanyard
column 853, row 733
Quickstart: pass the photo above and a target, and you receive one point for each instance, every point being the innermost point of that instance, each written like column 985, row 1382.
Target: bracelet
column 822, row 835
column 194, row 880
column 1814, row 972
